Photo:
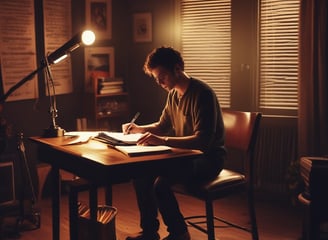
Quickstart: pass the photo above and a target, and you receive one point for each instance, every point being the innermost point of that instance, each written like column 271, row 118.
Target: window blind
column 279, row 54
column 206, row 43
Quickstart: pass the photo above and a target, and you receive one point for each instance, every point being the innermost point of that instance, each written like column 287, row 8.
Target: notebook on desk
column 118, row 138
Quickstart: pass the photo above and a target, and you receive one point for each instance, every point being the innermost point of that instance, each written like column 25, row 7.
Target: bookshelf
column 107, row 104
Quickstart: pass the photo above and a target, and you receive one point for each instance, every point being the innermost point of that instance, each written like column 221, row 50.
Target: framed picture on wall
column 99, row 63
column 99, row 17
column 142, row 27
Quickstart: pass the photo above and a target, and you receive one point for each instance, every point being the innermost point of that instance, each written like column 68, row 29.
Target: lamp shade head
column 88, row 37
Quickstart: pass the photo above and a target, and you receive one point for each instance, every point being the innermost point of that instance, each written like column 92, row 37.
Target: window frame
column 245, row 49
column 266, row 110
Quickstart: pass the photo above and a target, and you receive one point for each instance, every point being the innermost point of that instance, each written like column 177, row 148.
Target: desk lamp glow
column 84, row 38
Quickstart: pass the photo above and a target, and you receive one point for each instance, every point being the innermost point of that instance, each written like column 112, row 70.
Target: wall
column 147, row 97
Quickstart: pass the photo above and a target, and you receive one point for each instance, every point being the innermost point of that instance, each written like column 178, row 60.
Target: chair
column 241, row 134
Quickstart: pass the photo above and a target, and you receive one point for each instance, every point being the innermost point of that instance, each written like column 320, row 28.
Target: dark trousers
column 154, row 193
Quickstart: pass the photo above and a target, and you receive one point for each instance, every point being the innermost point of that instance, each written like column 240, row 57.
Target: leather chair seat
column 226, row 182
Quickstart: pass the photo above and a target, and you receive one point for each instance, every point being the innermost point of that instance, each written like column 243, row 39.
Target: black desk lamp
column 82, row 38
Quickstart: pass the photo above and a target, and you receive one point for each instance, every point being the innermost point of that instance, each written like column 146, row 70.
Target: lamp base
column 53, row 132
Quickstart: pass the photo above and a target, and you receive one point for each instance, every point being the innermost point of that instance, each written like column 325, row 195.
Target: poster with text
column 57, row 31
column 18, row 49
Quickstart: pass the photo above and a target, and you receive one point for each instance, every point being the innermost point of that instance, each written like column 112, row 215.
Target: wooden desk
column 101, row 166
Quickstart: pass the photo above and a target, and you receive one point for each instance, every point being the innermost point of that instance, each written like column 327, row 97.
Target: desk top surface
column 101, row 153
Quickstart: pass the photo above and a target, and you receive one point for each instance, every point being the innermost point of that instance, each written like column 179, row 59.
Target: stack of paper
column 139, row 150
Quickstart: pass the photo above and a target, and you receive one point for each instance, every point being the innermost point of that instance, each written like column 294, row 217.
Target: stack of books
column 314, row 171
column 109, row 85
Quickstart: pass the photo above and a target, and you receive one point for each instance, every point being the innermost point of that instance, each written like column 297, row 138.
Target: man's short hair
column 166, row 57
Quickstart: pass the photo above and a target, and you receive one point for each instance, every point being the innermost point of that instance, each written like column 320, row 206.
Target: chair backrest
column 241, row 130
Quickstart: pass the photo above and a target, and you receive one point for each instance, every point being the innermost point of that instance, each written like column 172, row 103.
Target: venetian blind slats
column 206, row 43
column 279, row 54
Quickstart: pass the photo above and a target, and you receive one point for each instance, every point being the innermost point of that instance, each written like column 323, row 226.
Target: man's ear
column 177, row 69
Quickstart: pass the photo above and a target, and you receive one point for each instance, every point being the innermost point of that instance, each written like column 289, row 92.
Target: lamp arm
column 44, row 63
column 51, row 92
column 54, row 130
column 68, row 47
column 82, row 38
column 19, row 84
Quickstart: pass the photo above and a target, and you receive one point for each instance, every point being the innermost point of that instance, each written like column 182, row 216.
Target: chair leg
column 251, row 210
column 210, row 220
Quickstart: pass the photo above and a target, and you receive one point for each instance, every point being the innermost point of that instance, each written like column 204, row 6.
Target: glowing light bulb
column 88, row 37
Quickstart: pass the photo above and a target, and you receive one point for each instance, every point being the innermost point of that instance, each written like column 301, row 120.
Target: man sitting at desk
column 192, row 112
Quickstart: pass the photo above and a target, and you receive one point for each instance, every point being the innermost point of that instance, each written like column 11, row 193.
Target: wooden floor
column 276, row 220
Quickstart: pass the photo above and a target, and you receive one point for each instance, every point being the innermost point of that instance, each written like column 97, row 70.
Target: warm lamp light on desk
column 83, row 38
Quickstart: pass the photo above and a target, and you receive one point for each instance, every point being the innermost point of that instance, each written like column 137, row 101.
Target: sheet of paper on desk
column 82, row 133
column 139, row 150
column 78, row 137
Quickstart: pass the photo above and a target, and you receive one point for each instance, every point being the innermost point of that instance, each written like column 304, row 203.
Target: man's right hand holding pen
column 148, row 137
column 129, row 127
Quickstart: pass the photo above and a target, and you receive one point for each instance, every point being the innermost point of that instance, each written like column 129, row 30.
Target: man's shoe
column 184, row 236
column 144, row 236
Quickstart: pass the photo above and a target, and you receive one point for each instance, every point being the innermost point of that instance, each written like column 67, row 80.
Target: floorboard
column 276, row 220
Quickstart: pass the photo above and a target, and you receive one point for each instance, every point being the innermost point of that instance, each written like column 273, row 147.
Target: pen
column 132, row 121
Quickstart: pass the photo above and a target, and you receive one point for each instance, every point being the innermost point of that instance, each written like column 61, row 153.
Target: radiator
column 275, row 150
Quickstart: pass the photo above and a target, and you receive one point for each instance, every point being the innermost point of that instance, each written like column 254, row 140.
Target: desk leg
column 108, row 195
column 109, row 202
column 55, row 202
column 93, row 202
column 73, row 214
